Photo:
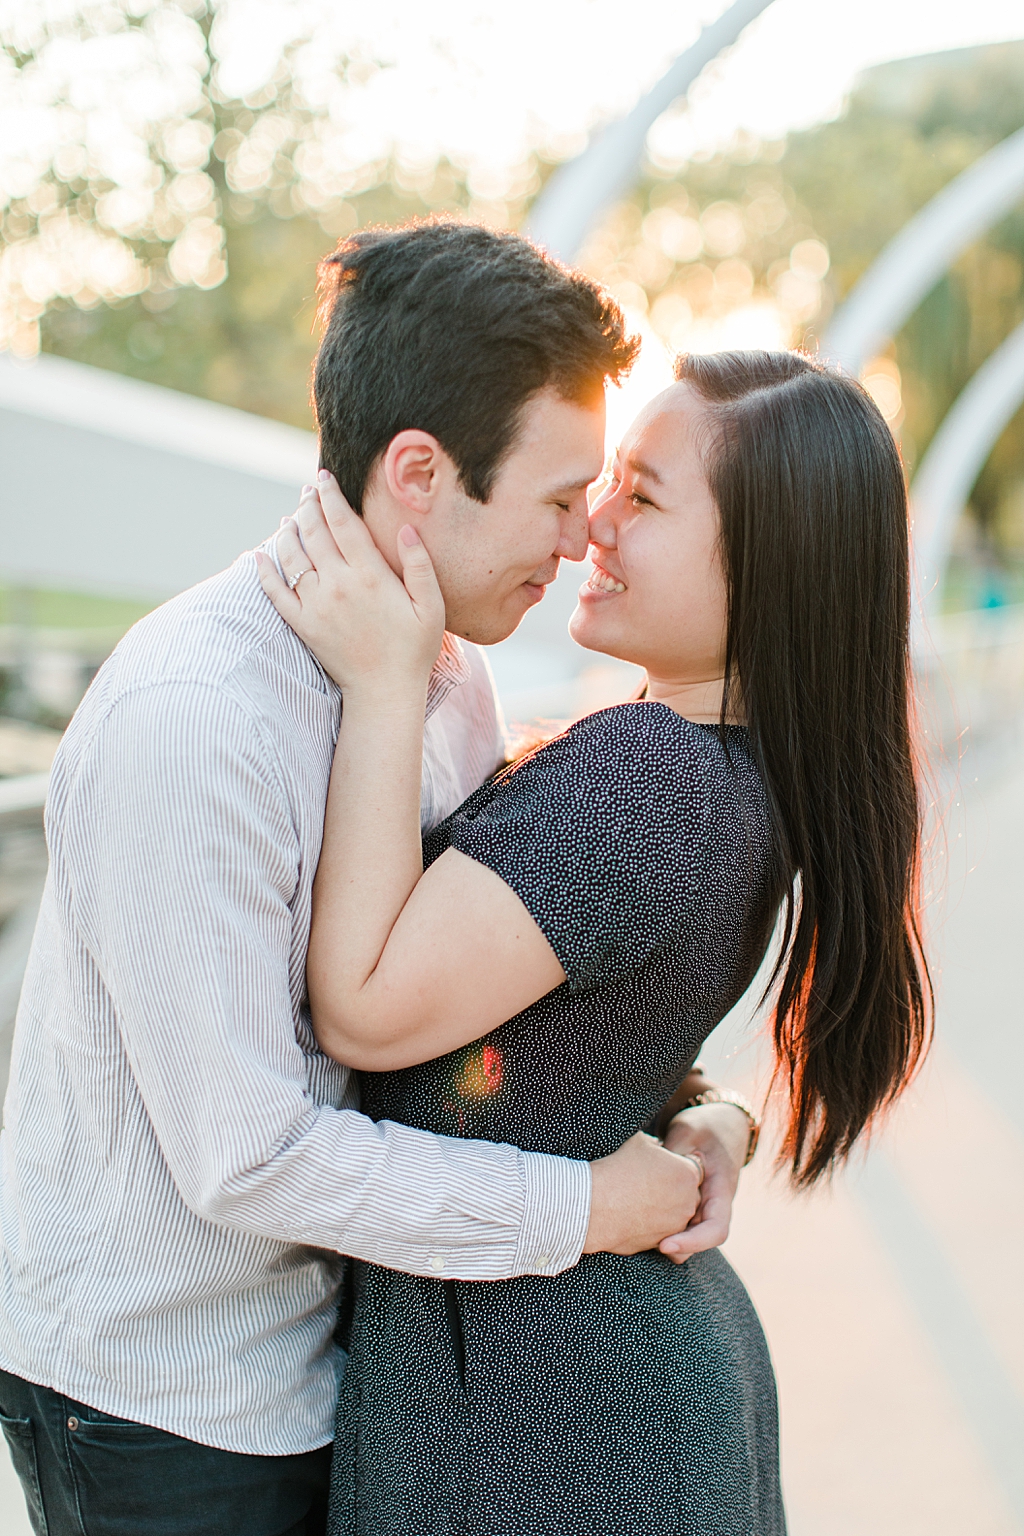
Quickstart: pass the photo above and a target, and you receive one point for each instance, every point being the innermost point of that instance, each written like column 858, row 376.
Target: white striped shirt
column 180, row 1164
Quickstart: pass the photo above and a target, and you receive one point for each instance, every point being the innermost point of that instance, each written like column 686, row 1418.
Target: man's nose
column 574, row 536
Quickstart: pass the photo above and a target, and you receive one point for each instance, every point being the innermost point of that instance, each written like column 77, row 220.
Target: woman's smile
column 601, row 581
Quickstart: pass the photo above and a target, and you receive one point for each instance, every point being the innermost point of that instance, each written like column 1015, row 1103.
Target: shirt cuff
column 556, row 1214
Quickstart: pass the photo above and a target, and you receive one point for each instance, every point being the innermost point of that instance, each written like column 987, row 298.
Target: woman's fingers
column 700, row 1238
column 285, row 601
column 316, row 537
column 709, row 1225
column 347, row 530
column 307, row 494
column 421, row 581
column 708, row 1229
column 295, row 563
column 292, row 556
column 356, row 616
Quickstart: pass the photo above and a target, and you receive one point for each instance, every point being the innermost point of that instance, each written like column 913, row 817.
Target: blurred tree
column 250, row 340
column 149, row 154
column 164, row 210
column 910, row 128
column 111, row 114
column 753, row 232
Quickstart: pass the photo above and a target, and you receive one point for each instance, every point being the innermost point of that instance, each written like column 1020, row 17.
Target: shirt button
column 543, row 1260
column 437, row 1263
column 72, row 1423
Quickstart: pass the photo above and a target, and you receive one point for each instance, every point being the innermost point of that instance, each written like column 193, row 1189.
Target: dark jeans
column 87, row 1474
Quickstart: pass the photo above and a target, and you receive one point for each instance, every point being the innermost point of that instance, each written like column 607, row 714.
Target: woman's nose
column 603, row 525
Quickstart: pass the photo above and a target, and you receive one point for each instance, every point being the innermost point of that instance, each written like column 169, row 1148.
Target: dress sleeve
column 602, row 835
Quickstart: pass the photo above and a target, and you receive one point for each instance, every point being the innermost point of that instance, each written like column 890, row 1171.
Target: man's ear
column 413, row 467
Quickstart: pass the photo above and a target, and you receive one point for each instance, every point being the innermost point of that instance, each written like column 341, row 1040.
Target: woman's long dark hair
column 813, row 504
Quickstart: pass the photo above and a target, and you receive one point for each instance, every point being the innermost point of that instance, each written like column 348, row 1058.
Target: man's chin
column 489, row 631
column 494, row 627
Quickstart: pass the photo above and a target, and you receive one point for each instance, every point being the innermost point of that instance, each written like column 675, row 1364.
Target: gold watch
column 726, row 1096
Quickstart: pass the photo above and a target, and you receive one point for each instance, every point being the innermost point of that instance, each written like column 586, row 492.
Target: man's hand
column 640, row 1194
column 719, row 1133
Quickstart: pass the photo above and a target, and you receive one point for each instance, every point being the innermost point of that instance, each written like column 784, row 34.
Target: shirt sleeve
column 183, row 858
column 602, row 835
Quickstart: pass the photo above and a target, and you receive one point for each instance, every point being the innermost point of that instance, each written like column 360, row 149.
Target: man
column 182, row 1167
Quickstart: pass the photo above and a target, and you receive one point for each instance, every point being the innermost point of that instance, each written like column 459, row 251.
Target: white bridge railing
column 970, row 674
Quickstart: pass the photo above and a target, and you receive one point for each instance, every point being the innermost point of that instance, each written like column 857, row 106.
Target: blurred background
column 844, row 178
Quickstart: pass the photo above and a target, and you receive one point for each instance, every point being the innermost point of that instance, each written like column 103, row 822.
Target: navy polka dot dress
column 627, row 1396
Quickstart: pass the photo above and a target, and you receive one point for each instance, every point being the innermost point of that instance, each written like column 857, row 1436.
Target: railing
column 971, row 678
column 54, row 667
column 970, row 683
column 22, row 801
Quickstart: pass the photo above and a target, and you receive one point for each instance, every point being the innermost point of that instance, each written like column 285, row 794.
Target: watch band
column 726, row 1096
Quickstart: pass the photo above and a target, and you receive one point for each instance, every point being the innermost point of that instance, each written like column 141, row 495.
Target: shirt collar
column 451, row 670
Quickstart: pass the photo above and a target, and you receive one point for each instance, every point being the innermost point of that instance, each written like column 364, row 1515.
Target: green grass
column 68, row 610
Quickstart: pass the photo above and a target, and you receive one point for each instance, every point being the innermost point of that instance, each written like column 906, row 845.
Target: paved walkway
column 893, row 1302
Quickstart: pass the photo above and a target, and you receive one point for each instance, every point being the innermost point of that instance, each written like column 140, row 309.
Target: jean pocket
column 79, row 1415
column 128, row 1477
column 21, row 1438
column 90, row 1428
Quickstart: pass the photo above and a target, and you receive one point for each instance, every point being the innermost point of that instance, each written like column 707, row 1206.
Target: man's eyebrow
column 571, row 487
column 641, row 467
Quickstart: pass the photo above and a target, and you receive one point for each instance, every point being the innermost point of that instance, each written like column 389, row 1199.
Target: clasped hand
column 644, row 1190
column 369, row 627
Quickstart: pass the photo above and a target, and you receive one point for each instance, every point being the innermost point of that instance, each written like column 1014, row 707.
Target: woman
column 610, row 897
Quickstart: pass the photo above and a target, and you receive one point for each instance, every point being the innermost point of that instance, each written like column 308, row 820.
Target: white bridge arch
column 886, row 296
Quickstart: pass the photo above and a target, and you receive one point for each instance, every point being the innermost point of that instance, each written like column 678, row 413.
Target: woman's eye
column 638, row 500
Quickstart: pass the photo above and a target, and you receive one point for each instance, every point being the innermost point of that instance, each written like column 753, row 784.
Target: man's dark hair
column 451, row 328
